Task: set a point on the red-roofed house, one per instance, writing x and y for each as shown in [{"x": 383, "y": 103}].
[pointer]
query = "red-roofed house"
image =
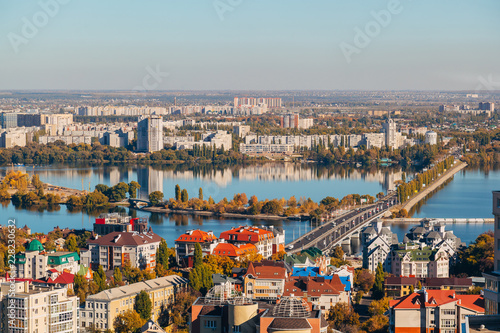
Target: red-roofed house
[
  {"x": 317, "y": 290},
  {"x": 439, "y": 310},
  {"x": 184, "y": 245},
  {"x": 265, "y": 280},
  {"x": 233, "y": 251},
  {"x": 263, "y": 239}
]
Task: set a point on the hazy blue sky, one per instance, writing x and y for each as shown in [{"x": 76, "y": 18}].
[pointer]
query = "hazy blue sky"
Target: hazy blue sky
[{"x": 260, "y": 44}]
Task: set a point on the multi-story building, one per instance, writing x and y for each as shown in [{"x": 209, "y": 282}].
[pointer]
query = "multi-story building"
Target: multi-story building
[
  {"x": 35, "y": 263},
  {"x": 417, "y": 260},
  {"x": 241, "y": 130},
  {"x": 150, "y": 133},
  {"x": 28, "y": 309},
  {"x": 116, "y": 248},
  {"x": 270, "y": 102},
  {"x": 263, "y": 239},
  {"x": 233, "y": 251},
  {"x": 8, "y": 119},
  {"x": 111, "y": 222},
  {"x": 431, "y": 138},
  {"x": 185, "y": 244},
  {"x": 492, "y": 288},
  {"x": 100, "y": 310},
  {"x": 242, "y": 315},
  {"x": 219, "y": 139},
  {"x": 377, "y": 242},
  {"x": 433, "y": 311},
  {"x": 265, "y": 280},
  {"x": 12, "y": 138},
  {"x": 390, "y": 131},
  {"x": 488, "y": 106}
]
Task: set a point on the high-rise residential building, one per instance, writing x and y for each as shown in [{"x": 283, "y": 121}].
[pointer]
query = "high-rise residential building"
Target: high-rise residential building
[
  {"x": 149, "y": 133},
  {"x": 8, "y": 119},
  {"x": 487, "y": 106},
  {"x": 241, "y": 130},
  {"x": 431, "y": 138},
  {"x": 492, "y": 288},
  {"x": 37, "y": 309},
  {"x": 271, "y": 102},
  {"x": 390, "y": 133}
]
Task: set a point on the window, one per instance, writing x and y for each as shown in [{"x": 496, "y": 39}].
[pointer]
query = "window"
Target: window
[
  {"x": 236, "y": 328},
  {"x": 447, "y": 322},
  {"x": 210, "y": 324},
  {"x": 448, "y": 312}
]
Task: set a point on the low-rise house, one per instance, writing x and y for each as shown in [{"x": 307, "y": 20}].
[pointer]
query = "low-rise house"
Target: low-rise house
[
  {"x": 433, "y": 311},
  {"x": 399, "y": 286},
  {"x": 263, "y": 239},
  {"x": 319, "y": 291},
  {"x": 234, "y": 251}
]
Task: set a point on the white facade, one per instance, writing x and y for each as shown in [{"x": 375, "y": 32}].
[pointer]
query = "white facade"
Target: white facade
[
  {"x": 150, "y": 133},
  {"x": 431, "y": 138}
]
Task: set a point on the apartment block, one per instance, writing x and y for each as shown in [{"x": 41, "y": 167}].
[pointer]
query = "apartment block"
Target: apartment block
[
  {"x": 100, "y": 310},
  {"x": 417, "y": 260},
  {"x": 492, "y": 289},
  {"x": 185, "y": 244},
  {"x": 26, "y": 308},
  {"x": 149, "y": 134},
  {"x": 114, "y": 249},
  {"x": 265, "y": 280}
]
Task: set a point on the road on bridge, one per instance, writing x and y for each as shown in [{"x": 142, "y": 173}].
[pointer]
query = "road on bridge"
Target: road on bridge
[{"x": 341, "y": 226}]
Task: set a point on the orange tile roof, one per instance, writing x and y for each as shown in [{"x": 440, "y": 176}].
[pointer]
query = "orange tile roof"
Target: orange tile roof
[
  {"x": 247, "y": 234},
  {"x": 226, "y": 249},
  {"x": 196, "y": 236},
  {"x": 437, "y": 298}
]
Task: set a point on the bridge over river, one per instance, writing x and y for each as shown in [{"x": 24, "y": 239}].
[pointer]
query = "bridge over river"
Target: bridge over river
[{"x": 330, "y": 234}]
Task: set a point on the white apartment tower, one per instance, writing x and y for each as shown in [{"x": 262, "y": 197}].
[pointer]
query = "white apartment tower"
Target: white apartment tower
[
  {"x": 149, "y": 133},
  {"x": 390, "y": 133}
]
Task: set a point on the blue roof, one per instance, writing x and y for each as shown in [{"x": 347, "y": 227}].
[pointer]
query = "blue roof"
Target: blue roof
[
  {"x": 308, "y": 271},
  {"x": 346, "y": 281}
]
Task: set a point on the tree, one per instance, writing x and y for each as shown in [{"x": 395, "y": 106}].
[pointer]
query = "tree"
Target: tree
[
  {"x": 95, "y": 199},
  {"x": 4, "y": 195},
  {"x": 143, "y": 305},
  {"x": 29, "y": 199},
  {"x": 37, "y": 183},
  {"x": 128, "y": 322},
  {"x": 163, "y": 254},
  {"x": 184, "y": 195},
  {"x": 180, "y": 309},
  {"x": 278, "y": 256},
  {"x": 272, "y": 207},
  {"x": 378, "y": 287},
  {"x": 376, "y": 324},
  {"x": 117, "y": 276},
  {"x": 200, "y": 194},
  {"x": 156, "y": 198},
  {"x": 133, "y": 186},
  {"x": 102, "y": 188},
  {"x": 198, "y": 255},
  {"x": 419, "y": 285},
  {"x": 478, "y": 257},
  {"x": 100, "y": 278},
  {"x": 177, "y": 192},
  {"x": 71, "y": 243},
  {"x": 412, "y": 289},
  {"x": 364, "y": 279},
  {"x": 379, "y": 307},
  {"x": 342, "y": 315},
  {"x": 200, "y": 278}
]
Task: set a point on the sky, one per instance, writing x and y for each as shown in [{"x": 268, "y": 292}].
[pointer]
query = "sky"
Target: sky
[{"x": 248, "y": 44}]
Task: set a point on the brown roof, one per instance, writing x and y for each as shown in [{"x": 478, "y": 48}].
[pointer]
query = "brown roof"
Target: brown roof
[
  {"x": 126, "y": 238},
  {"x": 267, "y": 270},
  {"x": 289, "y": 323},
  {"x": 430, "y": 282},
  {"x": 314, "y": 286},
  {"x": 210, "y": 310}
]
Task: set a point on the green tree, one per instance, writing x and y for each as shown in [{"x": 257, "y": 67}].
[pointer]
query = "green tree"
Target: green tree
[
  {"x": 100, "y": 278},
  {"x": 200, "y": 194},
  {"x": 128, "y": 322},
  {"x": 198, "y": 255},
  {"x": 272, "y": 207},
  {"x": 117, "y": 276},
  {"x": 378, "y": 286},
  {"x": 102, "y": 188},
  {"x": 478, "y": 257},
  {"x": 156, "y": 198},
  {"x": 37, "y": 183},
  {"x": 163, "y": 254},
  {"x": 143, "y": 305},
  {"x": 177, "y": 192},
  {"x": 133, "y": 186},
  {"x": 184, "y": 195},
  {"x": 71, "y": 243}
]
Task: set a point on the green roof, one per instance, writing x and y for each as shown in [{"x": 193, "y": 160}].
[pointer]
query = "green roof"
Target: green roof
[
  {"x": 20, "y": 258},
  {"x": 425, "y": 254},
  {"x": 60, "y": 258},
  {"x": 313, "y": 252},
  {"x": 35, "y": 245}
]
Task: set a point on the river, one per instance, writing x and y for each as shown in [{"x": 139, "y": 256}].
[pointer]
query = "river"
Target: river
[{"x": 265, "y": 181}]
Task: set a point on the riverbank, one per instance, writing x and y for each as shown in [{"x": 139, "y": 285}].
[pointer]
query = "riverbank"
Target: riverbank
[
  {"x": 444, "y": 177},
  {"x": 224, "y": 215}
]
